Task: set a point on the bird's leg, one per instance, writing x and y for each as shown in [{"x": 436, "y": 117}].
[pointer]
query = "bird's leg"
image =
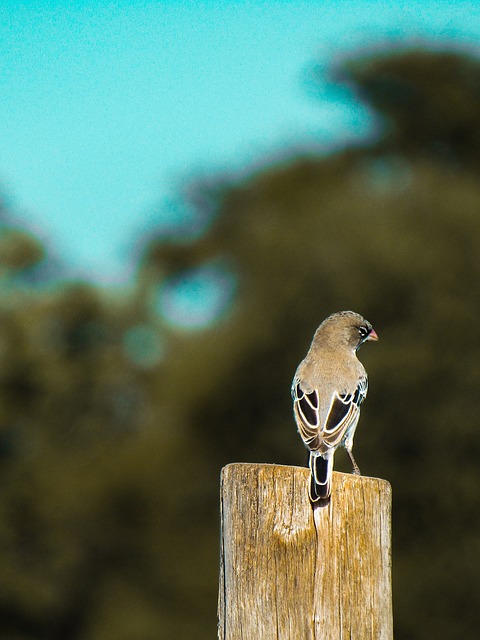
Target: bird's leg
[
  {"x": 348, "y": 448},
  {"x": 356, "y": 469}
]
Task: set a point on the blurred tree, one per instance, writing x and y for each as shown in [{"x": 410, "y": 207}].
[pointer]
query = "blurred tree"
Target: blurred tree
[
  {"x": 102, "y": 532},
  {"x": 19, "y": 250},
  {"x": 427, "y": 99},
  {"x": 114, "y": 424}
]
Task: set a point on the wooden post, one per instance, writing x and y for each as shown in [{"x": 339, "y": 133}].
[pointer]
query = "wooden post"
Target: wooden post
[{"x": 291, "y": 572}]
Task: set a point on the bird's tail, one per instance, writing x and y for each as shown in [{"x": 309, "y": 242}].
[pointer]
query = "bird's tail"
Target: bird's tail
[{"x": 321, "y": 467}]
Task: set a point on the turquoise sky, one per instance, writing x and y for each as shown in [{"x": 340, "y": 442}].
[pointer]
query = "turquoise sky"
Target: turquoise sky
[{"x": 107, "y": 107}]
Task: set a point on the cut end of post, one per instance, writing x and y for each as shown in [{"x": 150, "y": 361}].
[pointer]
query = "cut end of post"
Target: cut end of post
[{"x": 341, "y": 482}]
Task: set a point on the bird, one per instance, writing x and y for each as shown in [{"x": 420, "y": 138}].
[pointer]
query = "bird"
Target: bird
[{"x": 328, "y": 389}]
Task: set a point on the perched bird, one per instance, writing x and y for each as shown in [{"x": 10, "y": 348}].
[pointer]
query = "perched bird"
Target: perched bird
[{"x": 329, "y": 386}]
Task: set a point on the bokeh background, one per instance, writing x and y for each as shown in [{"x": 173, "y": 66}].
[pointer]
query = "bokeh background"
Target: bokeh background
[{"x": 188, "y": 190}]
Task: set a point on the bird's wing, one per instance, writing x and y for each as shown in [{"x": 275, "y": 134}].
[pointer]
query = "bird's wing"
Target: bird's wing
[
  {"x": 306, "y": 407},
  {"x": 343, "y": 413}
]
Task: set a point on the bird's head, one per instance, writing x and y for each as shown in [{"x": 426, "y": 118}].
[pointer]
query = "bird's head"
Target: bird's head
[{"x": 346, "y": 328}]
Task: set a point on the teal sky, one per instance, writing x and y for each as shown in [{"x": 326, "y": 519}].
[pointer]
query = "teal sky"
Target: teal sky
[{"x": 107, "y": 107}]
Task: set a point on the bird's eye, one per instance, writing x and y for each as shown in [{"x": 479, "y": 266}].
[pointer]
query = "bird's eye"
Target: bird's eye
[{"x": 363, "y": 331}]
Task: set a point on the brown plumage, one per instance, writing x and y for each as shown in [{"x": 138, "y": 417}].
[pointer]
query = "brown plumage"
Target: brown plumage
[{"x": 328, "y": 388}]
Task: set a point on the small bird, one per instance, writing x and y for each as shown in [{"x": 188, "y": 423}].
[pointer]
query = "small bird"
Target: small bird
[{"x": 328, "y": 388}]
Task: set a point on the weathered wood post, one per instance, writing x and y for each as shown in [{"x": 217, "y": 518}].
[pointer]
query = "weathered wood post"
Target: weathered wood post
[{"x": 291, "y": 572}]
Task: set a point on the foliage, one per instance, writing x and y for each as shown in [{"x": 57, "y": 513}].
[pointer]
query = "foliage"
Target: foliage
[
  {"x": 427, "y": 99},
  {"x": 113, "y": 426}
]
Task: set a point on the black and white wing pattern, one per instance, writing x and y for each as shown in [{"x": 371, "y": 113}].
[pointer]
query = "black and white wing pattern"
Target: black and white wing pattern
[
  {"x": 342, "y": 415},
  {"x": 306, "y": 408}
]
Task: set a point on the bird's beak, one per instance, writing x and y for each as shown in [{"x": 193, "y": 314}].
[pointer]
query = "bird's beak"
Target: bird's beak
[{"x": 372, "y": 335}]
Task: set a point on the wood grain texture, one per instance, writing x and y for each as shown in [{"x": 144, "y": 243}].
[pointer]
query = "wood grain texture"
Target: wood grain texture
[{"x": 291, "y": 572}]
